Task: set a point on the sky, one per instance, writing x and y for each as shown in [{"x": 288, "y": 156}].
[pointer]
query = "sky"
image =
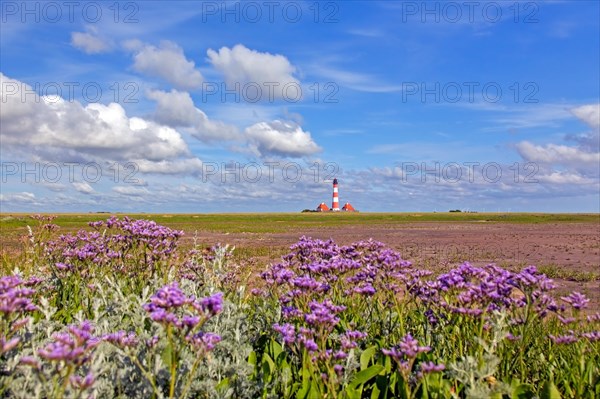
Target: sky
[{"x": 256, "y": 106}]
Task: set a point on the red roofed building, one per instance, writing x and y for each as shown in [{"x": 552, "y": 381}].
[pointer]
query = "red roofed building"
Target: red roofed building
[
  {"x": 348, "y": 208},
  {"x": 322, "y": 207}
]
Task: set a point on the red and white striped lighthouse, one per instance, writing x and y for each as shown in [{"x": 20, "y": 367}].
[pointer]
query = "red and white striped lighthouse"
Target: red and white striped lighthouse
[{"x": 335, "y": 206}]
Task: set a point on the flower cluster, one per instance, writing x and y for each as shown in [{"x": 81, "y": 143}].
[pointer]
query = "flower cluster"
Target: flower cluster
[
  {"x": 474, "y": 291},
  {"x": 137, "y": 243},
  {"x": 186, "y": 314},
  {"x": 405, "y": 354},
  {"x": 15, "y": 304},
  {"x": 73, "y": 347}
]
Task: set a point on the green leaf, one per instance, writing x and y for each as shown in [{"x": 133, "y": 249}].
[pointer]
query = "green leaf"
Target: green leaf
[
  {"x": 275, "y": 349},
  {"x": 268, "y": 365},
  {"x": 352, "y": 393},
  {"x": 375, "y": 393},
  {"x": 222, "y": 386},
  {"x": 366, "y": 356},
  {"x": 252, "y": 358},
  {"x": 365, "y": 375},
  {"x": 521, "y": 391},
  {"x": 549, "y": 391},
  {"x": 303, "y": 391},
  {"x": 166, "y": 356}
]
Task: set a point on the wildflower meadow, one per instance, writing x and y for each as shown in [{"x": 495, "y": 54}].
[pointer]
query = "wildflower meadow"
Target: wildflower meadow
[{"x": 120, "y": 310}]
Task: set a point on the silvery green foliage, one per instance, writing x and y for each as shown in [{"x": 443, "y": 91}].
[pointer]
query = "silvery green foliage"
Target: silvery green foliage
[
  {"x": 27, "y": 381},
  {"x": 224, "y": 373},
  {"x": 477, "y": 372}
]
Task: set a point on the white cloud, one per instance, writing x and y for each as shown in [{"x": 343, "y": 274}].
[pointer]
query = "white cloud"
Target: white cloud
[
  {"x": 131, "y": 191},
  {"x": 280, "y": 138},
  {"x": 554, "y": 153},
  {"x": 565, "y": 178},
  {"x": 355, "y": 80},
  {"x": 23, "y": 197},
  {"x": 167, "y": 61},
  {"x": 63, "y": 131},
  {"x": 83, "y": 187},
  {"x": 241, "y": 66},
  {"x": 590, "y": 114},
  {"x": 178, "y": 166},
  {"x": 89, "y": 42},
  {"x": 177, "y": 109}
]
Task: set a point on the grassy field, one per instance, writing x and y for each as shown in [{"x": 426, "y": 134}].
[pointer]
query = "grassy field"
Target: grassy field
[{"x": 280, "y": 222}]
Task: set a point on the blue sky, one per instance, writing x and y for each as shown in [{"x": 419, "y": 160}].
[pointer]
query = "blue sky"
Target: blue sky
[{"x": 202, "y": 106}]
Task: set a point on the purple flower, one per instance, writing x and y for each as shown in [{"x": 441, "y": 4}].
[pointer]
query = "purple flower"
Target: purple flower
[
  {"x": 121, "y": 339},
  {"x": 430, "y": 367},
  {"x": 72, "y": 347},
  {"x": 564, "y": 339},
  {"x": 204, "y": 342},
  {"x": 30, "y": 361},
  {"x": 169, "y": 296},
  {"x": 323, "y": 313},
  {"x": 309, "y": 344},
  {"x": 350, "y": 338},
  {"x": 6, "y": 346},
  {"x": 407, "y": 348},
  {"x": 152, "y": 342},
  {"x": 82, "y": 383},
  {"x": 592, "y": 336},
  {"x": 14, "y": 298},
  {"x": 287, "y": 331},
  {"x": 213, "y": 304},
  {"x": 577, "y": 300}
]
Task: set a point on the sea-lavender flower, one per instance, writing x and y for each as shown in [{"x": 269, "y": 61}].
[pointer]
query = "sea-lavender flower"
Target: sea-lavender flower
[
  {"x": 6, "y": 346},
  {"x": 204, "y": 341},
  {"x": 592, "y": 336},
  {"x": 212, "y": 304},
  {"x": 430, "y": 367},
  {"x": 408, "y": 348},
  {"x": 287, "y": 331},
  {"x": 577, "y": 300},
  {"x": 72, "y": 347},
  {"x": 121, "y": 339},
  {"x": 564, "y": 339},
  {"x": 323, "y": 313},
  {"x": 80, "y": 383},
  {"x": 339, "y": 369}
]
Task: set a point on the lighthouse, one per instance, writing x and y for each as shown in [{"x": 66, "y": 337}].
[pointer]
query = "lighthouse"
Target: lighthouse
[{"x": 335, "y": 206}]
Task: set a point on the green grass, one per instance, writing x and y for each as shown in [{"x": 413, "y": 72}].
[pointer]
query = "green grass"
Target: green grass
[{"x": 285, "y": 222}]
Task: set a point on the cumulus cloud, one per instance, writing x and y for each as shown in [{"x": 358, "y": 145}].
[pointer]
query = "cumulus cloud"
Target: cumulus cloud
[
  {"x": 590, "y": 114},
  {"x": 131, "y": 191},
  {"x": 167, "y": 61},
  {"x": 272, "y": 72},
  {"x": 280, "y": 138},
  {"x": 83, "y": 187},
  {"x": 554, "y": 153},
  {"x": 177, "y": 109},
  {"x": 584, "y": 155},
  {"x": 23, "y": 197},
  {"x": 167, "y": 167},
  {"x": 59, "y": 130},
  {"x": 89, "y": 42}
]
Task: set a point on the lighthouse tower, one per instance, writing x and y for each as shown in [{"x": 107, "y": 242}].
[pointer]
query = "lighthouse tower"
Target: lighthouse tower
[{"x": 335, "y": 206}]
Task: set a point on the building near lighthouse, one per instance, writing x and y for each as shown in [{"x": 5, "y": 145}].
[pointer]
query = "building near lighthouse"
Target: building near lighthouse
[
  {"x": 322, "y": 207},
  {"x": 348, "y": 208}
]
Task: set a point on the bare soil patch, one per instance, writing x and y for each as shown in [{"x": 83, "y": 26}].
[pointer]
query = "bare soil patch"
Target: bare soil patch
[{"x": 567, "y": 252}]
